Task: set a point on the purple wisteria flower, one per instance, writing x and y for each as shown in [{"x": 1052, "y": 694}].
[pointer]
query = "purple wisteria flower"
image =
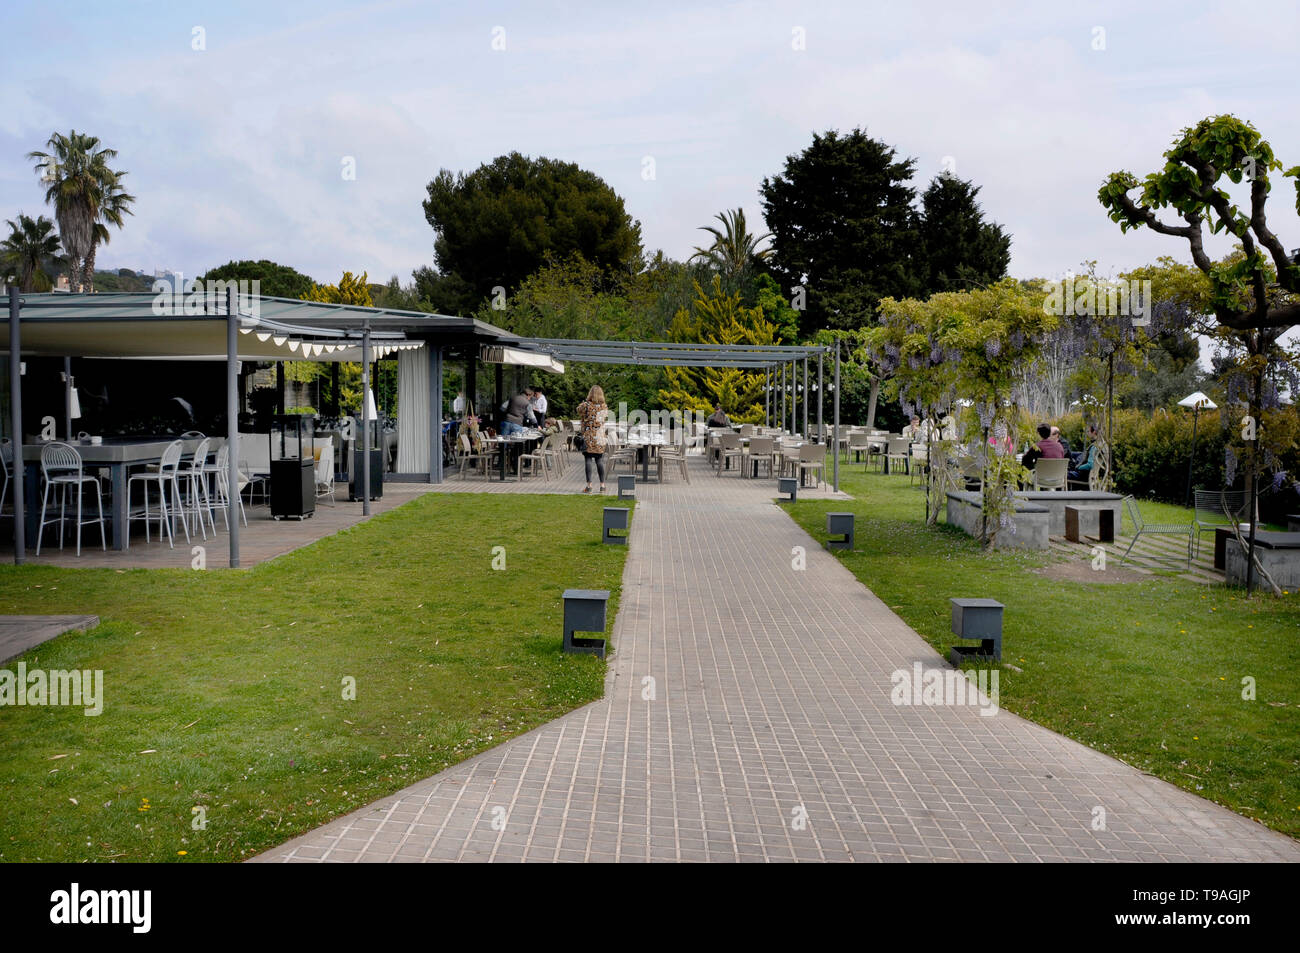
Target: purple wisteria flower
[
  {"x": 1229, "y": 465},
  {"x": 992, "y": 347}
]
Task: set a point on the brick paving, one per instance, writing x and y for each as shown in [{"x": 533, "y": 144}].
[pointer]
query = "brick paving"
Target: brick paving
[{"x": 770, "y": 735}]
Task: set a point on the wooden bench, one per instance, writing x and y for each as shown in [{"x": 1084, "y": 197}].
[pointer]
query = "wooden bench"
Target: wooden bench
[{"x": 1102, "y": 518}]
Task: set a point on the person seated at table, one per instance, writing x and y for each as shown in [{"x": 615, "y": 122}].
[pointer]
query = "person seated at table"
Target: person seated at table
[
  {"x": 1065, "y": 446},
  {"x": 913, "y": 430},
  {"x": 1083, "y": 469},
  {"x": 1045, "y": 449},
  {"x": 718, "y": 418},
  {"x": 518, "y": 414}
]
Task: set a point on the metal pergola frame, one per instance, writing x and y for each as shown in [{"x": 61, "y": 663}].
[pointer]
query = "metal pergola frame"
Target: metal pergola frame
[{"x": 770, "y": 358}]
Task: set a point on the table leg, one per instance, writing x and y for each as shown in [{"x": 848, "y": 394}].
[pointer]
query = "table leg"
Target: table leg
[
  {"x": 121, "y": 506},
  {"x": 645, "y": 464}
]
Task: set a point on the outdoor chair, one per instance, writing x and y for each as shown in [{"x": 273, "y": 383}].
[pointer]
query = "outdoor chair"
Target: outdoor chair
[
  {"x": 1141, "y": 528},
  {"x": 761, "y": 450},
  {"x": 859, "y": 445},
  {"x": 1218, "y": 508},
  {"x": 7, "y": 458},
  {"x": 674, "y": 455},
  {"x": 537, "y": 460},
  {"x": 1051, "y": 474},
  {"x": 729, "y": 448},
  {"x": 166, "y": 480},
  {"x": 324, "y": 471},
  {"x": 898, "y": 452},
  {"x": 920, "y": 460},
  {"x": 480, "y": 461},
  {"x": 812, "y": 458},
  {"x": 1096, "y": 476},
  {"x": 61, "y": 467},
  {"x": 219, "y": 473},
  {"x": 193, "y": 489}
]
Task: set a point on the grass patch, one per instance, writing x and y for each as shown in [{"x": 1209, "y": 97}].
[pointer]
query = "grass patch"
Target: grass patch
[
  {"x": 1148, "y": 672},
  {"x": 234, "y": 679}
]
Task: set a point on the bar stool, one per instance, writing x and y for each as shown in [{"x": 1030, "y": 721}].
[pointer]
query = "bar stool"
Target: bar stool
[
  {"x": 165, "y": 479},
  {"x": 195, "y": 499},
  {"x": 61, "y": 467}
]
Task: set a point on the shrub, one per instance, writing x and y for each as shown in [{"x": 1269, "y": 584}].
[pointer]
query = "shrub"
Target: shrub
[{"x": 1151, "y": 453}]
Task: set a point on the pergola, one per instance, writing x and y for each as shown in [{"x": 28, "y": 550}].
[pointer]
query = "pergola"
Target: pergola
[
  {"x": 780, "y": 364},
  {"x": 234, "y": 327}
]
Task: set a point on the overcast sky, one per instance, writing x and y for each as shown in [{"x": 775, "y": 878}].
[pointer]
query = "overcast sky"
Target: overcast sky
[{"x": 237, "y": 149}]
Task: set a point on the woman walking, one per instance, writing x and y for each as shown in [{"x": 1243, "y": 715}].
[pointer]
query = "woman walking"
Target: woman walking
[{"x": 593, "y": 413}]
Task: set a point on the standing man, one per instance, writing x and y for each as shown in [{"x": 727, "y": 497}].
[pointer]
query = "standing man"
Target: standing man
[
  {"x": 539, "y": 405},
  {"x": 517, "y": 413}
]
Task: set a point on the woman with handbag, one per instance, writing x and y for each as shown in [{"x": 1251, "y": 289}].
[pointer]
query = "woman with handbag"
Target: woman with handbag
[{"x": 592, "y": 414}]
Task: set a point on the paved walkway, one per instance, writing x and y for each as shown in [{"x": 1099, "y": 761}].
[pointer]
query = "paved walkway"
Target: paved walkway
[
  {"x": 18, "y": 633},
  {"x": 770, "y": 735}
]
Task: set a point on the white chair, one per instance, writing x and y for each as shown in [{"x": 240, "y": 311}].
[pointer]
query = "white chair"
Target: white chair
[
  {"x": 220, "y": 474},
  {"x": 192, "y": 486},
  {"x": 1050, "y": 474},
  {"x": 7, "y": 457},
  {"x": 61, "y": 467},
  {"x": 166, "y": 481},
  {"x": 325, "y": 472}
]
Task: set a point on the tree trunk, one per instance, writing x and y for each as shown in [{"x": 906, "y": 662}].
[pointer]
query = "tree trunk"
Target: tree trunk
[
  {"x": 871, "y": 404},
  {"x": 89, "y": 270}
]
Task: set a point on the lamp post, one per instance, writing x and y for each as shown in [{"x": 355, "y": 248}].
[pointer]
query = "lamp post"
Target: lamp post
[{"x": 1195, "y": 401}]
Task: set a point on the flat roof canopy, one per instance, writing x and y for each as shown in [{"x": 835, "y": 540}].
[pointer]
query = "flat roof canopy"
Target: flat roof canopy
[{"x": 193, "y": 327}]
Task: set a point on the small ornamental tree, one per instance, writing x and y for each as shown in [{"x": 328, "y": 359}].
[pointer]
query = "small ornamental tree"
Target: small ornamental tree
[
  {"x": 922, "y": 377},
  {"x": 1254, "y": 294},
  {"x": 718, "y": 318}
]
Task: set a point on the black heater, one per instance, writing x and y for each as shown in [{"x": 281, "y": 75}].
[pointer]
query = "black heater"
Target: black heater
[{"x": 293, "y": 469}]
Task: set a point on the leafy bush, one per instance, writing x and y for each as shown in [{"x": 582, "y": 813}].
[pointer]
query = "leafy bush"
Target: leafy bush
[{"x": 1151, "y": 455}]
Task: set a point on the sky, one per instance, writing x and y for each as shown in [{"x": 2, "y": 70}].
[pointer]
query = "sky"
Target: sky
[{"x": 238, "y": 122}]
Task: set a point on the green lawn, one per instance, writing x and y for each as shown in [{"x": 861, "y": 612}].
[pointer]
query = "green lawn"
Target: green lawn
[
  {"x": 1149, "y": 672},
  {"x": 233, "y": 681}
]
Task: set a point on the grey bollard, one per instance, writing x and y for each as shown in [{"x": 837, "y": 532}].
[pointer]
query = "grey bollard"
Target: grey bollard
[
  {"x": 626, "y": 486},
  {"x": 584, "y": 611},
  {"x": 839, "y": 524},
  {"x": 615, "y": 517},
  {"x": 977, "y": 619},
  {"x": 788, "y": 485}
]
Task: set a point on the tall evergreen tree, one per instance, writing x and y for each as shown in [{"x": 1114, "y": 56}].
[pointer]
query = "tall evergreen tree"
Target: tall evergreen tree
[
  {"x": 843, "y": 223},
  {"x": 961, "y": 249}
]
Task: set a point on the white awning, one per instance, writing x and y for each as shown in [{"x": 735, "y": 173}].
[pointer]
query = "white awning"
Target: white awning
[{"x": 496, "y": 354}]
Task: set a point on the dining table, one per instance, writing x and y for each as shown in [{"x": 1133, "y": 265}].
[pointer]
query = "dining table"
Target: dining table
[
  {"x": 117, "y": 455},
  {"x": 510, "y": 448},
  {"x": 644, "y": 448}
]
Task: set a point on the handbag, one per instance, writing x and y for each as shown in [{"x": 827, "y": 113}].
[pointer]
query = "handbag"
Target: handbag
[{"x": 579, "y": 444}]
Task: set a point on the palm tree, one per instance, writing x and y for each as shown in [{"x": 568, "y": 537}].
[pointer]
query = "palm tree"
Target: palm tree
[
  {"x": 115, "y": 203},
  {"x": 734, "y": 248},
  {"x": 79, "y": 179},
  {"x": 31, "y": 243}
]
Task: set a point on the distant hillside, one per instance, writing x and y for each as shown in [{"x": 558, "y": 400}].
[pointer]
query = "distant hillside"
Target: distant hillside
[{"x": 124, "y": 279}]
